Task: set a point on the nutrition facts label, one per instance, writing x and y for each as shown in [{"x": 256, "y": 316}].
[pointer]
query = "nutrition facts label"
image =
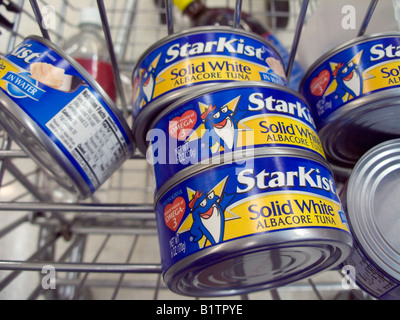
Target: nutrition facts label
[
  {"x": 368, "y": 277},
  {"x": 88, "y": 132}
]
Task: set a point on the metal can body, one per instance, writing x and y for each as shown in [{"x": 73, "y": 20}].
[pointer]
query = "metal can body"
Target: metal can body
[
  {"x": 371, "y": 201},
  {"x": 353, "y": 92},
  {"x": 200, "y": 57},
  {"x": 220, "y": 121},
  {"x": 61, "y": 117},
  {"x": 249, "y": 225}
]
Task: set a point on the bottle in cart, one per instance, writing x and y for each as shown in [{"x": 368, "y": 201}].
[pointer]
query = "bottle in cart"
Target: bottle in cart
[
  {"x": 88, "y": 47},
  {"x": 200, "y": 15}
]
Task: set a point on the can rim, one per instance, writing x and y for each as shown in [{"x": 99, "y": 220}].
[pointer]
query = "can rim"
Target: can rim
[
  {"x": 369, "y": 171},
  {"x": 346, "y": 45},
  {"x": 353, "y": 110},
  {"x": 335, "y": 248}
]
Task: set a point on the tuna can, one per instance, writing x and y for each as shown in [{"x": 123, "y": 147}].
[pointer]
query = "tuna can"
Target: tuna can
[
  {"x": 234, "y": 116},
  {"x": 353, "y": 91},
  {"x": 372, "y": 201},
  {"x": 253, "y": 224},
  {"x": 61, "y": 117},
  {"x": 197, "y": 57}
]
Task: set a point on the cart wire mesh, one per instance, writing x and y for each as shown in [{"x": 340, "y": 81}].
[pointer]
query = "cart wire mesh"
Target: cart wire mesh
[{"x": 53, "y": 246}]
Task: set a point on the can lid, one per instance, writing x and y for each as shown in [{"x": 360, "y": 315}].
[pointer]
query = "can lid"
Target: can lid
[
  {"x": 267, "y": 261},
  {"x": 373, "y": 205},
  {"x": 353, "y": 129}
]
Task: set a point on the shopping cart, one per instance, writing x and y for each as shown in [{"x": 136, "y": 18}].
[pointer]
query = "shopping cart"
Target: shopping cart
[{"x": 53, "y": 246}]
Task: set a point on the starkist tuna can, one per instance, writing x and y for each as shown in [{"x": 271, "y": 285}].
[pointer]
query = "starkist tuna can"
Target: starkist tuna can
[
  {"x": 235, "y": 116},
  {"x": 61, "y": 117},
  {"x": 354, "y": 92},
  {"x": 197, "y": 57},
  {"x": 249, "y": 225},
  {"x": 371, "y": 199}
]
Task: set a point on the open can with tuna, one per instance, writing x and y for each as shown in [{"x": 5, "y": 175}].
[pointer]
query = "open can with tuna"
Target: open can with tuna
[
  {"x": 354, "y": 92},
  {"x": 371, "y": 199},
  {"x": 61, "y": 117},
  {"x": 258, "y": 223},
  {"x": 215, "y": 122},
  {"x": 199, "y": 57}
]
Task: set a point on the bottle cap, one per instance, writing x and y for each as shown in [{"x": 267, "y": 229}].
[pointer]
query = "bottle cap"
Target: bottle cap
[
  {"x": 90, "y": 15},
  {"x": 182, "y": 4}
]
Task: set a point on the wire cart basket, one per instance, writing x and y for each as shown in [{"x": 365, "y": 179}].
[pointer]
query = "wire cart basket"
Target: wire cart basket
[{"x": 55, "y": 247}]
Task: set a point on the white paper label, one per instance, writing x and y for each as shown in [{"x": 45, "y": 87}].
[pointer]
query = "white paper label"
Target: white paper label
[{"x": 88, "y": 132}]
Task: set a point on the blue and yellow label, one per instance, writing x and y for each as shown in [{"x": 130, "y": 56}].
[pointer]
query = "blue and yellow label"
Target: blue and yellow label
[
  {"x": 204, "y": 57},
  {"x": 247, "y": 198},
  {"x": 224, "y": 121},
  {"x": 356, "y": 71},
  {"x": 68, "y": 109}
]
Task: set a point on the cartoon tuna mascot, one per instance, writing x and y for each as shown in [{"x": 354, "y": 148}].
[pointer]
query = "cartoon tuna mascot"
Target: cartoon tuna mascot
[
  {"x": 208, "y": 216},
  {"x": 348, "y": 79},
  {"x": 222, "y": 123},
  {"x": 145, "y": 82}
]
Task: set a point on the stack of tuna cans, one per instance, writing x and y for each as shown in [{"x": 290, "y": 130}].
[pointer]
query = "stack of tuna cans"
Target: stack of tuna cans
[
  {"x": 354, "y": 94},
  {"x": 245, "y": 199}
]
